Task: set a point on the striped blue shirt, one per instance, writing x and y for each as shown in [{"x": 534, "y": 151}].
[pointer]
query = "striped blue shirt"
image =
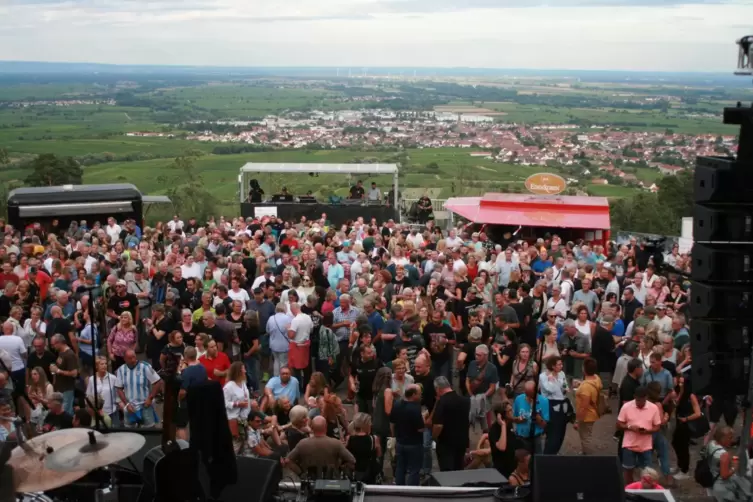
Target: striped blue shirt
[
  {"x": 339, "y": 316},
  {"x": 136, "y": 382}
]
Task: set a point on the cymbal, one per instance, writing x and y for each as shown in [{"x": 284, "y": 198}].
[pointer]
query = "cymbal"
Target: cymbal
[
  {"x": 87, "y": 455},
  {"x": 30, "y": 473}
]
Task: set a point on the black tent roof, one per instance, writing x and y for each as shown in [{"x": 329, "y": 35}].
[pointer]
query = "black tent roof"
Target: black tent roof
[{"x": 67, "y": 194}]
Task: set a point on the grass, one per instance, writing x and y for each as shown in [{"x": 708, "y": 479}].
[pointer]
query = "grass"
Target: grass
[{"x": 611, "y": 190}]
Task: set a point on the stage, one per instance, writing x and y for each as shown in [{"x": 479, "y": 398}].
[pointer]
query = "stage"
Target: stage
[{"x": 337, "y": 214}]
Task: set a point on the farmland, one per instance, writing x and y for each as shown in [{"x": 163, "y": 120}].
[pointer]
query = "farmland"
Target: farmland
[{"x": 92, "y": 120}]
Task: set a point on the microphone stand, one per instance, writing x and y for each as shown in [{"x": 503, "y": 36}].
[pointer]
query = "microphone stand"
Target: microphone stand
[{"x": 98, "y": 421}]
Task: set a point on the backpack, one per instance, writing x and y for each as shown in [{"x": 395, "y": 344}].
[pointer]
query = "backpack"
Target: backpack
[
  {"x": 702, "y": 473},
  {"x": 602, "y": 407}
]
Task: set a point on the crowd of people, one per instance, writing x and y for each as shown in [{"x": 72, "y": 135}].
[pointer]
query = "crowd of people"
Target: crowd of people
[{"x": 372, "y": 347}]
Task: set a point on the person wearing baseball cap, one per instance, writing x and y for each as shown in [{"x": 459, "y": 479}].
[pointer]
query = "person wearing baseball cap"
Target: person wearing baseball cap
[{"x": 122, "y": 301}]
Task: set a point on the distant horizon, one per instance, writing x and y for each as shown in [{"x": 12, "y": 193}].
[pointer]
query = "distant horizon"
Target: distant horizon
[{"x": 358, "y": 69}]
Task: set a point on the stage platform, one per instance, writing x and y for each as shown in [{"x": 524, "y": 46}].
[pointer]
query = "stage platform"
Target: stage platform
[{"x": 337, "y": 214}]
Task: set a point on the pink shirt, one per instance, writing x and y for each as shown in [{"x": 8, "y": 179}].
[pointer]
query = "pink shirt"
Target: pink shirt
[
  {"x": 121, "y": 340},
  {"x": 647, "y": 417}
]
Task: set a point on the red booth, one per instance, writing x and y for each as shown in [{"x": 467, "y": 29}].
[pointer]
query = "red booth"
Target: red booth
[{"x": 570, "y": 217}]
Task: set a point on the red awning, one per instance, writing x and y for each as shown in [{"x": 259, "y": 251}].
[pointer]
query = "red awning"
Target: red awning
[{"x": 533, "y": 210}]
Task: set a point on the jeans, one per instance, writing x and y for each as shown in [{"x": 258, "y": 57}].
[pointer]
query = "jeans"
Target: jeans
[
  {"x": 632, "y": 459},
  {"x": 115, "y": 417},
  {"x": 555, "y": 429},
  {"x": 427, "y": 462},
  {"x": 68, "y": 397},
  {"x": 442, "y": 368},
  {"x": 661, "y": 445},
  {"x": 253, "y": 373},
  {"x": 280, "y": 360},
  {"x": 409, "y": 460}
]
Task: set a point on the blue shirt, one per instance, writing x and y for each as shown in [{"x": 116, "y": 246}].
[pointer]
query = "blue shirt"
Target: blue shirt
[
  {"x": 540, "y": 266},
  {"x": 522, "y": 408},
  {"x": 376, "y": 321},
  {"x": 194, "y": 374},
  {"x": 86, "y": 334},
  {"x": 618, "y": 329},
  {"x": 277, "y": 329},
  {"x": 664, "y": 377},
  {"x": 334, "y": 274},
  {"x": 292, "y": 391}
]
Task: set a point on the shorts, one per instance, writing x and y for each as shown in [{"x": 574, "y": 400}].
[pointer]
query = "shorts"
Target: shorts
[
  {"x": 632, "y": 459},
  {"x": 181, "y": 415}
]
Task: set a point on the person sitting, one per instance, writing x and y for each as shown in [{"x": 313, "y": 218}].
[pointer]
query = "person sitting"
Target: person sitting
[
  {"x": 521, "y": 474},
  {"x": 649, "y": 481},
  {"x": 283, "y": 385},
  {"x": 256, "y": 445},
  {"x": 320, "y": 452},
  {"x": 299, "y": 429}
]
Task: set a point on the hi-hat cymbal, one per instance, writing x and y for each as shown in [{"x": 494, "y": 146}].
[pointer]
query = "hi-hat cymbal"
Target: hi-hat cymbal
[
  {"x": 30, "y": 474},
  {"x": 87, "y": 454}
]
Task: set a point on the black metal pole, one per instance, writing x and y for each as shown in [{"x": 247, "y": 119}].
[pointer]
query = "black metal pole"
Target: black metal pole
[
  {"x": 534, "y": 413},
  {"x": 98, "y": 422}
]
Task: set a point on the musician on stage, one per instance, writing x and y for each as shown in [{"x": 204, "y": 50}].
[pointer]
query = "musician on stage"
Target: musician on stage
[{"x": 357, "y": 191}]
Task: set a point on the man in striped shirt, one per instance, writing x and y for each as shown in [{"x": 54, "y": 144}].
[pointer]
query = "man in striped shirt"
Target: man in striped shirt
[{"x": 137, "y": 385}]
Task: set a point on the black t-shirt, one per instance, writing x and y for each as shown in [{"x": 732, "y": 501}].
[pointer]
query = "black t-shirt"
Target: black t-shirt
[
  {"x": 180, "y": 285},
  {"x": 364, "y": 373},
  {"x": 294, "y": 436},
  {"x": 189, "y": 337},
  {"x": 409, "y": 423},
  {"x": 362, "y": 448},
  {"x": 356, "y": 192},
  {"x": 125, "y": 303},
  {"x": 44, "y": 361},
  {"x": 172, "y": 349},
  {"x": 428, "y": 392},
  {"x": 437, "y": 338},
  {"x": 452, "y": 413},
  {"x": 412, "y": 346},
  {"x": 215, "y": 333},
  {"x": 154, "y": 346},
  {"x": 462, "y": 307},
  {"x": 469, "y": 349},
  {"x": 505, "y": 372},
  {"x": 503, "y": 460},
  {"x": 602, "y": 349},
  {"x": 54, "y": 422},
  {"x": 59, "y": 326},
  {"x": 522, "y": 310}
]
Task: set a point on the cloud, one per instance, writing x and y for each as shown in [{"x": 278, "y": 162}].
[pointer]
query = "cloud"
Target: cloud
[{"x": 580, "y": 34}]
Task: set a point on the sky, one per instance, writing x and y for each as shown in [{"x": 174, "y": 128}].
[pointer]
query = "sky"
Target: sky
[{"x": 652, "y": 35}]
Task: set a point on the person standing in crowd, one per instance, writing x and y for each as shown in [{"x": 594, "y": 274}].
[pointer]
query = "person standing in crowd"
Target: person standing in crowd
[
  {"x": 450, "y": 415},
  {"x": 439, "y": 338},
  {"x": 65, "y": 371},
  {"x": 107, "y": 388},
  {"x": 408, "y": 426},
  {"x": 639, "y": 419},
  {"x": 481, "y": 384},
  {"x": 526, "y": 417},
  {"x": 138, "y": 384},
  {"x": 553, "y": 386},
  {"x": 587, "y": 404}
]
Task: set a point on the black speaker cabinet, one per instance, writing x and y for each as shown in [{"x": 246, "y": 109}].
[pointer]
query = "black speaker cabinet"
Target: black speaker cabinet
[
  {"x": 472, "y": 477},
  {"x": 559, "y": 478}
]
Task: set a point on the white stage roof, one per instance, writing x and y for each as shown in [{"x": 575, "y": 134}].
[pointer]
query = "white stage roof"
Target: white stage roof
[{"x": 252, "y": 167}]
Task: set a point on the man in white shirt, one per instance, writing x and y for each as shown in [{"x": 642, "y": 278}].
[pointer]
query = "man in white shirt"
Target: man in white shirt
[
  {"x": 175, "y": 224},
  {"x": 191, "y": 269},
  {"x": 357, "y": 267},
  {"x": 374, "y": 193},
  {"x": 505, "y": 264},
  {"x": 638, "y": 290},
  {"x": 559, "y": 265},
  {"x": 613, "y": 286},
  {"x": 415, "y": 238},
  {"x": 301, "y": 325},
  {"x": 663, "y": 320},
  {"x": 452, "y": 240},
  {"x": 113, "y": 230}
]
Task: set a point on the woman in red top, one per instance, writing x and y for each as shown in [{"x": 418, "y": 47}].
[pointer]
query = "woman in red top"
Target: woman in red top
[
  {"x": 215, "y": 362},
  {"x": 123, "y": 338},
  {"x": 649, "y": 481}
]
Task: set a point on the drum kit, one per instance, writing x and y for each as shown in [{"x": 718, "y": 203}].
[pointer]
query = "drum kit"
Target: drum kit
[{"x": 59, "y": 458}]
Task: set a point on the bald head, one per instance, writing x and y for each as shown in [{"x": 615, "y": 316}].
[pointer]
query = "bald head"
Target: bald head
[{"x": 319, "y": 426}]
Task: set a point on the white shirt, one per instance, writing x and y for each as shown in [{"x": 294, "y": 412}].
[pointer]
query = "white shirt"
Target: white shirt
[
  {"x": 302, "y": 325},
  {"x": 90, "y": 260},
  {"x": 566, "y": 290},
  {"x": 665, "y": 324},
  {"x": 416, "y": 240},
  {"x": 113, "y": 232},
  {"x": 457, "y": 265},
  {"x": 16, "y": 349},
  {"x": 241, "y": 295},
  {"x": 107, "y": 390},
  {"x": 261, "y": 280},
  {"x": 560, "y": 306},
  {"x": 234, "y": 393},
  {"x": 355, "y": 270},
  {"x": 191, "y": 271},
  {"x": 453, "y": 242},
  {"x": 28, "y": 334},
  {"x": 174, "y": 225}
]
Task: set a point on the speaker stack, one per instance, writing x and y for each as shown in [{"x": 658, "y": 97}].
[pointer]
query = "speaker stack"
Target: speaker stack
[{"x": 722, "y": 280}]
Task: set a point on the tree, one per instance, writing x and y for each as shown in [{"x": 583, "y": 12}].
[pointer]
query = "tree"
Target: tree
[
  {"x": 4, "y": 157},
  {"x": 188, "y": 190},
  {"x": 49, "y": 170},
  {"x": 676, "y": 193}
]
